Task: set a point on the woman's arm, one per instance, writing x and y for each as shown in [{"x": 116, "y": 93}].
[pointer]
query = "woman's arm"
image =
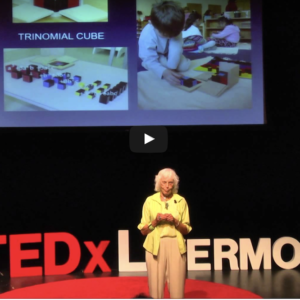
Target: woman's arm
[
  {"x": 146, "y": 230},
  {"x": 181, "y": 227},
  {"x": 150, "y": 227}
]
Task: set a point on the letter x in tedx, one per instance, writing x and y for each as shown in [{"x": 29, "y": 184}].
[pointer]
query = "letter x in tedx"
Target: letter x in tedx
[{"x": 97, "y": 258}]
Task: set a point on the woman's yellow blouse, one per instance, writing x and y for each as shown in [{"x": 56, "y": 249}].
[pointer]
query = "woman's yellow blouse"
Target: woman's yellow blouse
[{"x": 176, "y": 206}]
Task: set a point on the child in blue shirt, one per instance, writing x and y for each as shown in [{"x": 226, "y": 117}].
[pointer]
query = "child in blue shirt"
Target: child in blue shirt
[{"x": 161, "y": 44}]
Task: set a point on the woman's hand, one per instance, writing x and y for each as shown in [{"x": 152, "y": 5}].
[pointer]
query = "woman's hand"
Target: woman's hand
[
  {"x": 170, "y": 218},
  {"x": 160, "y": 217}
]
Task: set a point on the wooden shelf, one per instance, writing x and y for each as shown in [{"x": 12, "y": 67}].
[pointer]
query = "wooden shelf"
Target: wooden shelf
[{"x": 245, "y": 29}]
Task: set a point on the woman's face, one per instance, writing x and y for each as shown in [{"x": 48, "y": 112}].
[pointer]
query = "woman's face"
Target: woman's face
[{"x": 166, "y": 186}]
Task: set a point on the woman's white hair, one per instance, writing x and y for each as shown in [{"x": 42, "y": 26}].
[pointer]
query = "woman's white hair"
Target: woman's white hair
[{"x": 169, "y": 174}]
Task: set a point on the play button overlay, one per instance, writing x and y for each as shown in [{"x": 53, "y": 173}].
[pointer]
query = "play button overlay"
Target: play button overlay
[{"x": 148, "y": 139}]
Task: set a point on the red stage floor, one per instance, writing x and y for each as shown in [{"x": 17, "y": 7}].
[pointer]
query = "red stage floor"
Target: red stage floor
[{"x": 122, "y": 287}]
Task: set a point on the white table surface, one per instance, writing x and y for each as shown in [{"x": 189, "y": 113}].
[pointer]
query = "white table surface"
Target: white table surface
[
  {"x": 158, "y": 94},
  {"x": 65, "y": 100}
]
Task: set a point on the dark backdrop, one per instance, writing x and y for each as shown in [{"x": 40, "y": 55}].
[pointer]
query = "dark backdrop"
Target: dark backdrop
[{"x": 239, "y": 181}]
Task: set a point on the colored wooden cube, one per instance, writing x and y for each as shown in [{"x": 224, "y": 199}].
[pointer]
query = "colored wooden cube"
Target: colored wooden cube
[
  {"x": 91, "y": 95},
  {"x": 104, "y": 98},
  {"x": 46, "y": 76},
  {"x": 33, "y": 67},
  {"x": 25, "y": 71},
  {"x": 100, "y": 90},
  {"x": 215, "y": 78},
  {"x": 70, "y": 82},
  {"x": 243, "y": 66},
  {"x": 117, "y": 90},
  {"x": 107, "y": 96},
  {"x": 61, "y": 86},
  {"x": 182, "y": 80},
  {"x": 97, "y": 83},
  {"x": 106, "y": 85},
  {"x": 66, "y": 75},
  {"x": 188, "y": 82},
  {"x": 44, "y": 70},
  {"x": 48, "y": 83},
  {"x": 120, "y": 87},
  {"x": 77, "y": 78},
  {"x": 223, "y": 77},
  {"x": 27, "y": 77},
  {"x": 124, "y": 84},
  {"x": 80, "y": 92},
  {"x": 223, "y": 80},
  {"x": 57, "y": 79},
  {"x": 89, "y": 87},
  {"x": 112, "y": 95},
  {"x": 35, "y": 74},
  {"x": 16, "y": 74},
  {"x": 10, "y": 68}
]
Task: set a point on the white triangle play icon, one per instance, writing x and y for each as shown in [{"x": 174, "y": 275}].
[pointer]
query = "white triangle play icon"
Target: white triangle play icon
[{"x": 148, "y": 138}]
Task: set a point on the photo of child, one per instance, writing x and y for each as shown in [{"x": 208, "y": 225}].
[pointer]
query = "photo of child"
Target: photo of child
[
  {"x": 160, "y": 43},
  {"x": 229, "y": 36},
  {"x": 177, "y": 53},
  {"x": 191, "y": 33}
]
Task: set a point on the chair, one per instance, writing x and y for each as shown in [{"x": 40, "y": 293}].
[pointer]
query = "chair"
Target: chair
[{"x": 120, "y": 52}]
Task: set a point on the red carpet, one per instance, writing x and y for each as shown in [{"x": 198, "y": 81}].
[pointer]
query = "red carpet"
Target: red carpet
[{"x": 122, "y": 287}]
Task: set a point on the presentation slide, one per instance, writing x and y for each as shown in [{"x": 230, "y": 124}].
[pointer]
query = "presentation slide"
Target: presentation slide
[{"x": 70, "y": 63}]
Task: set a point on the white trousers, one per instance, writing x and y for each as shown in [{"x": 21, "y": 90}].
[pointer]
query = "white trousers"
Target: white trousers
[{"x": 168, "y": 266}]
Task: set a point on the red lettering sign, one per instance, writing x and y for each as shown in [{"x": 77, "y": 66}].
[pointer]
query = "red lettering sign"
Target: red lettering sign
[
  {"x": 3, "y": 239},
  {"x": 97, "y": 258},
  {"x": 17, "y": 255},
  {"x": 74, "y": 257}
]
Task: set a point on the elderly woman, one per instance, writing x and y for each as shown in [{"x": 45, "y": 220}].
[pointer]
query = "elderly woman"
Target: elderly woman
[{"x": 165, "y": 219}]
